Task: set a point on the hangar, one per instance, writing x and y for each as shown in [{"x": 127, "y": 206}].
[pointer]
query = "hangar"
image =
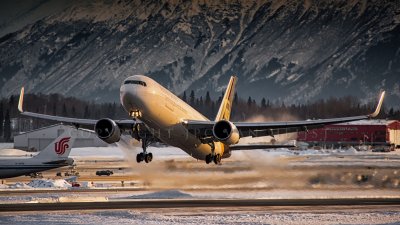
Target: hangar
[
  {"x": 38, "y": 139},
  {"x": 368, "y": 132}
]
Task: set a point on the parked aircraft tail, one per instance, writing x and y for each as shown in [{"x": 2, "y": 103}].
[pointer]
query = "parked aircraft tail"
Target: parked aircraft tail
[
  {"x": 224, "y": 112},
  {"x": 60, "y": 147}
]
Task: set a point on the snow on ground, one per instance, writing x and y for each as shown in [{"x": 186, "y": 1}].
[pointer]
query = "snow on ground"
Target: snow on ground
[
  {"x": 208, "y": 216},
  {"x": 179, "y": 194},
  {"x": 257, "y": 194},
  {"x": 120, "y": 153},
  {"x": 19, "y": 185},
  {"x": 172, "y": 152},
  {"x": 196, "y": 194},
  {"x": 97, "y": 152},
  {"x": 169, "y": 194},
  {"x": 40, "y": 183},
  {"x": 48, "y": 183},
  {"x": 284, "y": 152},
  {"x": 16, "y": 153},
  {"x": 6, "y": 145},
  {"x": 51, "y": 197}
]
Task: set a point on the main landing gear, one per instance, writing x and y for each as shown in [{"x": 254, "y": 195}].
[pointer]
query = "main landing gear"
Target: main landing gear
[
  {"x": 144, "y": 156},
  {"x": 216, "y": 158}
]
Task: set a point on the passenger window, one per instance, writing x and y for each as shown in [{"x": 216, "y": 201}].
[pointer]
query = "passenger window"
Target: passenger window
[{"x": 135, "y": 82}]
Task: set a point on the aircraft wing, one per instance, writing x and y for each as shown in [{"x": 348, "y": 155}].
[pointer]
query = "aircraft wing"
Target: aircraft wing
[
  {"x": 204, "y": 128},
  {"x": 127, "y": 124},
  {"x": 60, "y": 118}
]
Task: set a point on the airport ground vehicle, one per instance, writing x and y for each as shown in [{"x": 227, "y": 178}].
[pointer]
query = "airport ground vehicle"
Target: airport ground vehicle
[{"x": 104, "y": 172}]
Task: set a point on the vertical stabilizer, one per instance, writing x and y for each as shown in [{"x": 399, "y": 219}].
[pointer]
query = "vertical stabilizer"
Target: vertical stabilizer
[
  {"x": 21, "y": 100},
  {"x": 60, "y": 147},
  {"x": 224, "y": 112}
]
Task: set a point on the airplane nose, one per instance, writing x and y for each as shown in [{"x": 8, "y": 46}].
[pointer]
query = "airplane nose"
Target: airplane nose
[{"x": 128, "y": 98}]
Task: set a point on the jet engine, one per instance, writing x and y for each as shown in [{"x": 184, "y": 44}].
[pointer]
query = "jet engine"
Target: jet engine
[
  {"x": 107, "y": 130},
  {"x": 226, "y": 132}
]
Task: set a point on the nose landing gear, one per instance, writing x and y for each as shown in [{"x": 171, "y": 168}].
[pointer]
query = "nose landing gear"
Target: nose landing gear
[{"x": 147, "y": 157}]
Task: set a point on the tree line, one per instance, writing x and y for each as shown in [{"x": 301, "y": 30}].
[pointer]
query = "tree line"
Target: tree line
[
  {"x": 243, "y": 109},
  {"x": 271, "y": 110}
]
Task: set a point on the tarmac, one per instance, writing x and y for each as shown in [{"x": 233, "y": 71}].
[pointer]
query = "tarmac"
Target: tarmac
[{"x": 198, "y": 203}]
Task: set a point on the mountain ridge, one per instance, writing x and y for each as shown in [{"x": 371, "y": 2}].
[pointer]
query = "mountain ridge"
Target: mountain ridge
[{"x": 290, "y": 51}]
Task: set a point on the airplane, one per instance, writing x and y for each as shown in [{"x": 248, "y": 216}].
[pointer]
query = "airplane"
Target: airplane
[
  {"x": 159, "y": 115},
  {"x": 55, "y": 155}
]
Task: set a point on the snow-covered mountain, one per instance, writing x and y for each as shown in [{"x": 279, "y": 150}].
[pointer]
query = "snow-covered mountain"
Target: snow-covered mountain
[{"x": 288, "y": 50}]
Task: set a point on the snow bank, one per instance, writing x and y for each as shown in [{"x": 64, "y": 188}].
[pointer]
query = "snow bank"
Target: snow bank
[
  {"x": 170, "y": 194},
  {"x": 59, "y": 183},
  {"x": 19, "y": 186}
]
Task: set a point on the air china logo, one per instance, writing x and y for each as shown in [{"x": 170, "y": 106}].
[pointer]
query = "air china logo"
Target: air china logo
[{"x": 61, "y": 146}]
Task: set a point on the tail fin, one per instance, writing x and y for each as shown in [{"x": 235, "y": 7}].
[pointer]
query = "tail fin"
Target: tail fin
[
  {"x": 60, "y": 147},
  {"x": 21, "y": 100},
  {"x": 224, "y": 112}
]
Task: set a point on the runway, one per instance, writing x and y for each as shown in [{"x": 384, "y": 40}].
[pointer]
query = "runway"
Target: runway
[
  {"x": 197, "y": 203},
  {"x": 310, "y": 190}
]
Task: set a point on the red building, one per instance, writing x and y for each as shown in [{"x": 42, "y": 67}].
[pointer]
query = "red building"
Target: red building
[{"x": 369, "y": 132}]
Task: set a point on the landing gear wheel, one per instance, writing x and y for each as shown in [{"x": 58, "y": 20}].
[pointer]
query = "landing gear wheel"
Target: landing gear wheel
[
  {"x": 208, "y": 159},
  {"x": 148, "y": 158},
  {"x": 217, "y": 159},
  {"x": 139, "y": 157},
  {"x": 144, "y": 156}
]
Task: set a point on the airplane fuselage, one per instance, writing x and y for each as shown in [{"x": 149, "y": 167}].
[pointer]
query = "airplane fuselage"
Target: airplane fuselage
[
  {"x": 18, "y": 166},
  {"x": 163, "y": 113}
]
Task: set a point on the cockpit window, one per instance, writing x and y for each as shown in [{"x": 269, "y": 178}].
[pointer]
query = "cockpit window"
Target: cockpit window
[{"x": 135, "y": 82}]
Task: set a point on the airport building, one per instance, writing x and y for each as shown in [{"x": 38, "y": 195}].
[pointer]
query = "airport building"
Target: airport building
[
  {"x": 38, "y": 139},
  {"x": 364, "y": 132}
]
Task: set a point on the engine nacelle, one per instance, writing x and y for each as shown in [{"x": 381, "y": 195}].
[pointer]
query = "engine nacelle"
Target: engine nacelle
[
  {"x": 226, "y": 132},
  {"x": 107, "y": 130}
]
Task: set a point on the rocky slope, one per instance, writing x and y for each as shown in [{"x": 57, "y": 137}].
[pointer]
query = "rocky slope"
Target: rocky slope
[{"x": 284, "y": 50}]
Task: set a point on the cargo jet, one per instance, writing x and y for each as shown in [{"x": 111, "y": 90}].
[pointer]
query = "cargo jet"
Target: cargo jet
[
  {"x": 55, "y": 155},
  {"x": 159, "y": 115}
]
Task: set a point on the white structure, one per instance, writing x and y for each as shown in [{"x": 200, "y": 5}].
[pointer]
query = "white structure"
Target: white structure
[{"x": 40, "y": 138}]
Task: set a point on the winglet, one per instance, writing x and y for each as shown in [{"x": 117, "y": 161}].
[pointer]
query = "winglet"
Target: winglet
[
  {"x": 378, "y": 108},
  {"x": 21, "y": 100}
]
